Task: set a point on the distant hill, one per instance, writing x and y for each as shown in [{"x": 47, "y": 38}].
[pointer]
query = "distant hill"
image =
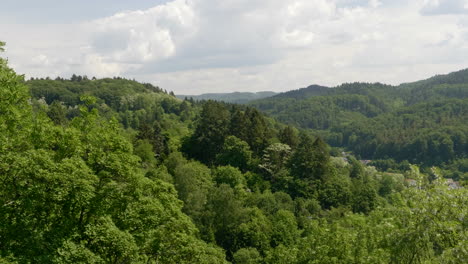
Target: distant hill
[
  {"x": 235, "y": 97},
  {"x": 422, "y": 122},
  {"x": 109, "y": 90},
  {"x": 312, "y": 90},
  {"x": 458, "y": 77}
]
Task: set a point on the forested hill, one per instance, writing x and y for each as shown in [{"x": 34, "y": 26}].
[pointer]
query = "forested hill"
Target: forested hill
[
  {"x": 235, "y": 97},
  {"x": 411, "y": 92},
  {"x": 68, "y": 91},
  {"x": 458, "y": 77},
  {"x": 113, "y": 171},
  {"x": 424, "y": 122},
  {"x": 312, "y": 90}
]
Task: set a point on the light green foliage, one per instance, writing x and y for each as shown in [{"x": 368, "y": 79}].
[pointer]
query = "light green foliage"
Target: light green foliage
[
  {"x": 174, "y": 160},
  {"x": 76, "y": 193},
  {"x": 270, "y": 202},
  {"x": 144, "y": 150},
  {"x": 435, "y": 223},
  {"x": 175, "y": 242},
  {"x": 70, "y": 252},
  {"x": 108, "y": 241},
  {"x": 285, "y": 230},
  {"x": 364, "y": 198},
  {"x": 229, "y": 175},
  {"x": 334, "y": 192},
  {"x": 429, "y": 226},
  {"x": 193, "y": 182},
  {"x": 282, "y": 254},
  {"x": 256, "y": 182},
  {"x": 92, "y": 173},
  {"x": 224, "y": 212},
  {"x": 255, "y": 232},
  {"x": 13, "y": 103},
  {"x": 8, "y": 260},
  {"x": 160, "y": 173},
  {"x": 338, "y": 162},
  {"x": 235, "y": 152},
  {"x": 390, "y": 183},
  {"x": 247, "y": 256}
]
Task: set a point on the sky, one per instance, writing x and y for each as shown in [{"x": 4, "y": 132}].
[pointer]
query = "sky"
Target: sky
[{"x": 206, "y": 46}]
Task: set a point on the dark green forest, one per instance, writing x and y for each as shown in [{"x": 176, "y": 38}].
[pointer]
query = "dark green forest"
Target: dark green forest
[
  {"x": 116, "y": 171},
  {"x": 423, "y": 123}
]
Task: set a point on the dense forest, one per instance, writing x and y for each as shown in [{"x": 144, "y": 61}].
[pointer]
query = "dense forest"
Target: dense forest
[
  {"x": 115, "y": 171},
  {"x": 424, "y": 123}
]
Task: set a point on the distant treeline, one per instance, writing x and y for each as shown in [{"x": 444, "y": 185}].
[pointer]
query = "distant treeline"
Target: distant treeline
[{"x": 424, "y": 122}]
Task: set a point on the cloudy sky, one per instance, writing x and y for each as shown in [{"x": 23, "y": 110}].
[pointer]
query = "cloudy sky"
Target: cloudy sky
[{"x": 197, "y": 46}]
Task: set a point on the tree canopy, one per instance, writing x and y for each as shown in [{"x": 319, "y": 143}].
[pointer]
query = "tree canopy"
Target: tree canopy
[{"x": 115, "y": 171}]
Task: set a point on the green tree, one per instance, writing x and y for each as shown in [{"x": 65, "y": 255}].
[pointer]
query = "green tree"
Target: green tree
[
  {"x": 154, "y": 135},
  {"x": 311, "y": 159},
  {"x": 77, "y": 193},
  {"x": 282, "y": 254},
  {"x": 229, "y": 175},
  {"x": 212, "y": 128},
  {"x": 235, "y": 152},
  {"x": 334, "y": 192},
  {"x": 247, "y": 256},
  {"x": 259, "y": 133},
  {"x": 284, "y": 229},
  {"x": 274, "y": 165},
  {"x": 193, "y": 182},
  {"x": 430, "y": 225},
  {"x": 254, "y": 231},
  {"x": 224, "y": 213},
  {"x": 364, "y": 197},
  {"x": 57, "y": 113},
  {"x": 289, "y": 136},
  {"x": 239, "y": 124},
  {"x": 275, "y": 158}
]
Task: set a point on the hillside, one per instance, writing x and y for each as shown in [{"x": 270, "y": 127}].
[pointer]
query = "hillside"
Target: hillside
[
  {"x": 423, "y": 122},
  {"x": 118, "y": 169},
  {"x": 114, "y": 171},
  {"x": 235, "y": 97},
  {"x": 312, "y": 90}
]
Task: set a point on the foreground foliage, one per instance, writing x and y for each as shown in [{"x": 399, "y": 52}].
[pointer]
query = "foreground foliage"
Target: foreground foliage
[
  {"x": 76, "y": 194},
  {"x": 143, "y": 177}
]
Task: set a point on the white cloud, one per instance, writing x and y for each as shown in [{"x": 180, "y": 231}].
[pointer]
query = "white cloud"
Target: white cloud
[
  {"x": 192, "y": 46},
  {"x": 444, "y": 7},
  {"x": 143, "y": 36},
  {"x": 40, "y": 60},
  {"x": 374, "y": 3}
]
